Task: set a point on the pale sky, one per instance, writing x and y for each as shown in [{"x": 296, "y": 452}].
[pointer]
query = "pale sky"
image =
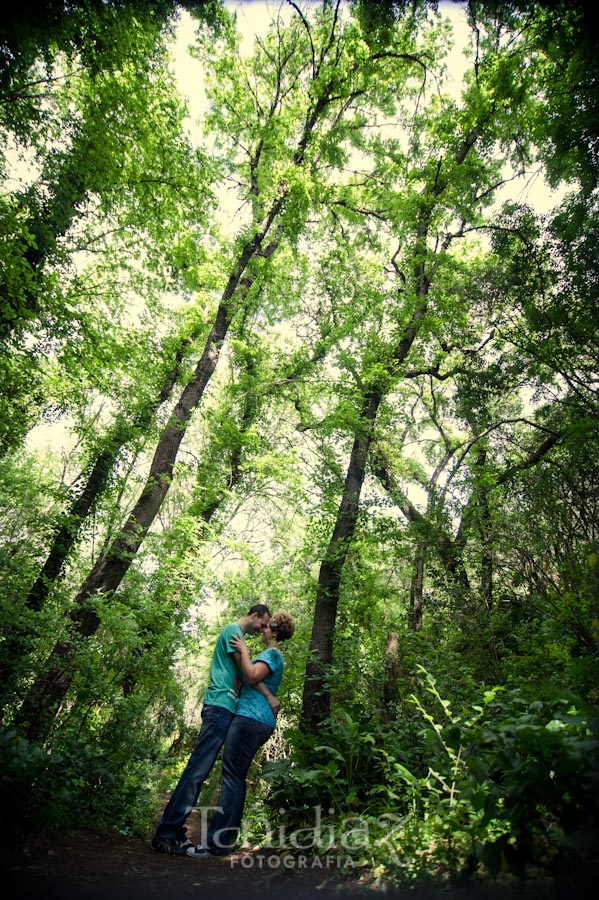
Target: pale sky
[{"x": 253, "y": 17}]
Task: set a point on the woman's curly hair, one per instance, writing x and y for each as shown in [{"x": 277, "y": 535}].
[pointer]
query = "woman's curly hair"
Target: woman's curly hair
[{"x": 283, "y": 625}]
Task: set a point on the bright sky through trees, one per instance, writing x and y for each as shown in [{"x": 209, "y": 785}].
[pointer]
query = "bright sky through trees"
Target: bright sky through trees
[{"x": 253, "y": 18}]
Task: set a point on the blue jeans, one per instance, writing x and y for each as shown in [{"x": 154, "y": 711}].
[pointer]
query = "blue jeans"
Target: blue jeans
[
  {"x": 215, "y": 725},
  {"x": 244, "y": 738}
]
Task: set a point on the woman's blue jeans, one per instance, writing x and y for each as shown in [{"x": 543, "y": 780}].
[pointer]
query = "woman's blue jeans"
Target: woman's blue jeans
[
  {"x": 215, "y": 725},
  {"x": 244, "y": 738}
]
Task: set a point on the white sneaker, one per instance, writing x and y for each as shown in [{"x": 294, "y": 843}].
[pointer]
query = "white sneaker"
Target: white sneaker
[{"x": 198, "y": 852}]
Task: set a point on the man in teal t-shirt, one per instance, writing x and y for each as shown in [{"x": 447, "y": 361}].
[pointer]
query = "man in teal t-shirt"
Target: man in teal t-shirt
[{"x": 218, "y": 709}]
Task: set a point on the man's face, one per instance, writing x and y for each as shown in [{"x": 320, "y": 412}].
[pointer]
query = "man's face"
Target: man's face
[{"x": 259, "y": 623}]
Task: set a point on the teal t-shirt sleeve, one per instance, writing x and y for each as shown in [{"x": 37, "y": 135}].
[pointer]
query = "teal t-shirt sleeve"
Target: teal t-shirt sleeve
[
  {"x": 272, "y": 658},
  {"x": 265, "y": 657},
  {"x": 225, "y": 681}
]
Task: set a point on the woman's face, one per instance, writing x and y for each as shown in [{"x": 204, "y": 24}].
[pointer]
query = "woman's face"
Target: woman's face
[{"x": 268, "y": 635}]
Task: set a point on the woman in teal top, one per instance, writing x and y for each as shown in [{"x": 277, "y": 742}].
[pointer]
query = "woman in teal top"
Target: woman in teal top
[{"x": 252, "y": 725}]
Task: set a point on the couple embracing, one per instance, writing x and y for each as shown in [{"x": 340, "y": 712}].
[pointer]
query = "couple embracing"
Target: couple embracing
[{"x": 239, "y": 711}]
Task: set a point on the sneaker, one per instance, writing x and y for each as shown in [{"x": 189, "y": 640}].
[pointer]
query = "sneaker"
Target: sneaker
[
  {"x": 171, "y": 845},
  {"x": 198, "y": 852},
  {"x": 185, "y": 846}
]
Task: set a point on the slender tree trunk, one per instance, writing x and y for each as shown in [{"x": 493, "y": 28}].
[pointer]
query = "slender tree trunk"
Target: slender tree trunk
[
  {"x": 316, "y": 701},
  {"x": 390, "y": 684},
  {"x": 316, "y": 704},
  {"x": 449, "y": 551},
  {"x": 486, "y": 563},
  {"x": 417, "y": 588},
  {"x": 66, "y": 535}
]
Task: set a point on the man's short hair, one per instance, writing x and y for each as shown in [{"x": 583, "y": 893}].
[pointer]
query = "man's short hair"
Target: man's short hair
[{"x": 261, "y": 609}]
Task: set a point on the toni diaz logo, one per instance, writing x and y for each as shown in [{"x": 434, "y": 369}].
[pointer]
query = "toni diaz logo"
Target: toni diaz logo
[{"x": 332, "y": 845}]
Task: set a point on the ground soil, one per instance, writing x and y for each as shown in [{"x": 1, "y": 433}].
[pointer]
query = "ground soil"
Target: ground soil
[{"x": 89, "y": 866}]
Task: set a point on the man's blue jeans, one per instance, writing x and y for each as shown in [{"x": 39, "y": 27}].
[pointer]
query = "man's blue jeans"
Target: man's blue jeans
[
  {"x": 244, "y": 738},
  {"x": 215, "y": 725}
]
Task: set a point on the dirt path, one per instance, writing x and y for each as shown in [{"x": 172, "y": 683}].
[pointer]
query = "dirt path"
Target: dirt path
[{"x": 114, "y": 867}]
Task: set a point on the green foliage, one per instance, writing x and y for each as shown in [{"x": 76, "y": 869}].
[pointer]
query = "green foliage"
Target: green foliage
[
  {"x": 508, "y": 783},
  {"x": 518, "y": 775},
  {"x": 22, "y": 766},
  {"x": 107, "y": 770},
  {"x": 341, "y": 769},
  {"x": 112, "y": 735},
  {"x": 388, "y": 272}
]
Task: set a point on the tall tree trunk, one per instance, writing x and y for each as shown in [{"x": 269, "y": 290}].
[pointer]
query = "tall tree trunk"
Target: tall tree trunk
[
  {"x": 316, "y": 701},
  {"x": 487, "y": 557},
  {"x": 43, "y": 700},
  {"x": 316, "y": 696}
]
